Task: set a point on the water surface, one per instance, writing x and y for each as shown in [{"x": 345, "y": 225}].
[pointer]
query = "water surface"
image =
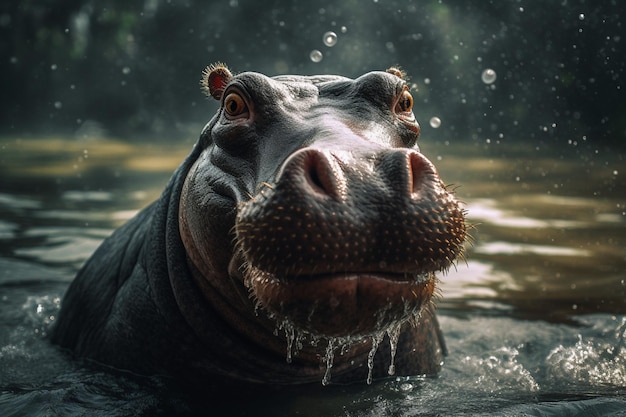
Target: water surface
[{"x": 534, "y": 316}]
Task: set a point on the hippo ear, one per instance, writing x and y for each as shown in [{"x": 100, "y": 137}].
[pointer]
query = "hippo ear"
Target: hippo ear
[
  {"x": 396, "y": 71},
  {"x": 215, "y": 77}
]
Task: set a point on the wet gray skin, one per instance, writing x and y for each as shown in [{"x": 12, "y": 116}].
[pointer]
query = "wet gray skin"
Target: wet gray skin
[{"x": 304, "y": 223}]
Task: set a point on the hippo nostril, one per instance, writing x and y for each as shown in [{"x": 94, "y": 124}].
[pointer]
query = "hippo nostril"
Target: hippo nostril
[
  {"x": 320, "y": 175},
  {"x": 314, "y": 179},
  {"x": 418, "y": 170}
]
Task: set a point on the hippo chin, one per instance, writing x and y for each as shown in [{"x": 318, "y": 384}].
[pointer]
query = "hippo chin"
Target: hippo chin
[{"x": 304, "y": 222}]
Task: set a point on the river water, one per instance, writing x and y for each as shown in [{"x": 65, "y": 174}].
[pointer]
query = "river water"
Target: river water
[{"x": 534, "y": 317}]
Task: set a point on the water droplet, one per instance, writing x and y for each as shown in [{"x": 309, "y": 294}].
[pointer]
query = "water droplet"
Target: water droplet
[
  {"x": 329, "y": 39},
  {"x": 344, "y": 29},
  {"x": 488, "y": 76},
  {"x": 316, "y": 56},
  {"x": 581, "y": 16},
  {"x": 435, "y": 122}
]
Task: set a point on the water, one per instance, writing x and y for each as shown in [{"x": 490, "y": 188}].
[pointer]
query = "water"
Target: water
[
  {"x": 534, "y": 318},
  {"x": 435, "y": 122},
  {"x": 329, "y": 39},
  {"x": 488, "y": 76},
  {"x": 316, "y": 56}
]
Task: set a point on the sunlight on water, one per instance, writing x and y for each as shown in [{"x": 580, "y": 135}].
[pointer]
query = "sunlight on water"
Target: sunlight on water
[
  {"x": 508, "y": 248},
  {"x": 62, "y": 250},
  {"x": 82, "y": 196},
  {"x": 472, "y": 279},
  {"x": 488, "y": 211}
]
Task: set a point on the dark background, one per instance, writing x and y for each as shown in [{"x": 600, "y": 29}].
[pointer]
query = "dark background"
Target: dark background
[{"x": 130, "y": 69}]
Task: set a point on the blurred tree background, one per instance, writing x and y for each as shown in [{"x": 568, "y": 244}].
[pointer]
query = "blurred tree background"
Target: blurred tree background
[{"x": 130, "y": 69}]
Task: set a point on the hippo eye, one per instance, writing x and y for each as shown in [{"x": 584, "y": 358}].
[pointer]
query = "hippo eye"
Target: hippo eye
[
  {"x": 234, "y": 105},
  {"x": 405, "y": 104}
]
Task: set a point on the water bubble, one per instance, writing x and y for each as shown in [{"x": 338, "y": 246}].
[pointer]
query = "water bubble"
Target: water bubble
[
  {"x": 488, "y": 76},
  {"x": 330, "y": 39},
  {"x": 316, "y": 56},
  {"x": 53, "y": 67},
  {"x": 581, "y": 16},
  {"x": 58, "y": 105},
  {"x": 125, "y": 70},
  {"x": 344, "y": 29},
  {"x": 426, "y": 81},
  {"x": 435, "y": 122}
]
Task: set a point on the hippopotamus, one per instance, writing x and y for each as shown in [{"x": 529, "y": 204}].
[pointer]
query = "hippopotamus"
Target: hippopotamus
[{"x": 303, "y": 232}]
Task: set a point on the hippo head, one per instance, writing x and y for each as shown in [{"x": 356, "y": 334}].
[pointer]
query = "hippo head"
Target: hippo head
[{"x": 310, "y": 201}]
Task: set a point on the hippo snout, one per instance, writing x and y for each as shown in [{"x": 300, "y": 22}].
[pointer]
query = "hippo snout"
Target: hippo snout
[{"x": 340, "y": 234}]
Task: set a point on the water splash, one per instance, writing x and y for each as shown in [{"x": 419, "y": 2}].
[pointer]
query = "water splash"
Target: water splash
[
  {"x": 591, "y": 361},
  {"x": 500, "y": 371},
  {"x": 41, "y": 312}
]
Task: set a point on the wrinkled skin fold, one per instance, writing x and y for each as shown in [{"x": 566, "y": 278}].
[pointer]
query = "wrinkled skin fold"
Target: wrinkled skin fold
[{"x": 305, "y": 219}]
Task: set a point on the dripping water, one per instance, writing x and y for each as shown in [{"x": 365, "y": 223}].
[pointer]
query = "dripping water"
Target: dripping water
[
  {"x": 328, "y": 359},
  {"x": 290, "y": 334},
  {"x": 296, "y": 338},
  {"x": 376, "y": 339},
  {"x": 393, "y": 332}
]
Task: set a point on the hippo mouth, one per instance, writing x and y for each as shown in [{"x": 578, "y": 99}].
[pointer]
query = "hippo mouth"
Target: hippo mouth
[
  {"x": 342, "y": 252},
  {"x": 342, "y": 304}
]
